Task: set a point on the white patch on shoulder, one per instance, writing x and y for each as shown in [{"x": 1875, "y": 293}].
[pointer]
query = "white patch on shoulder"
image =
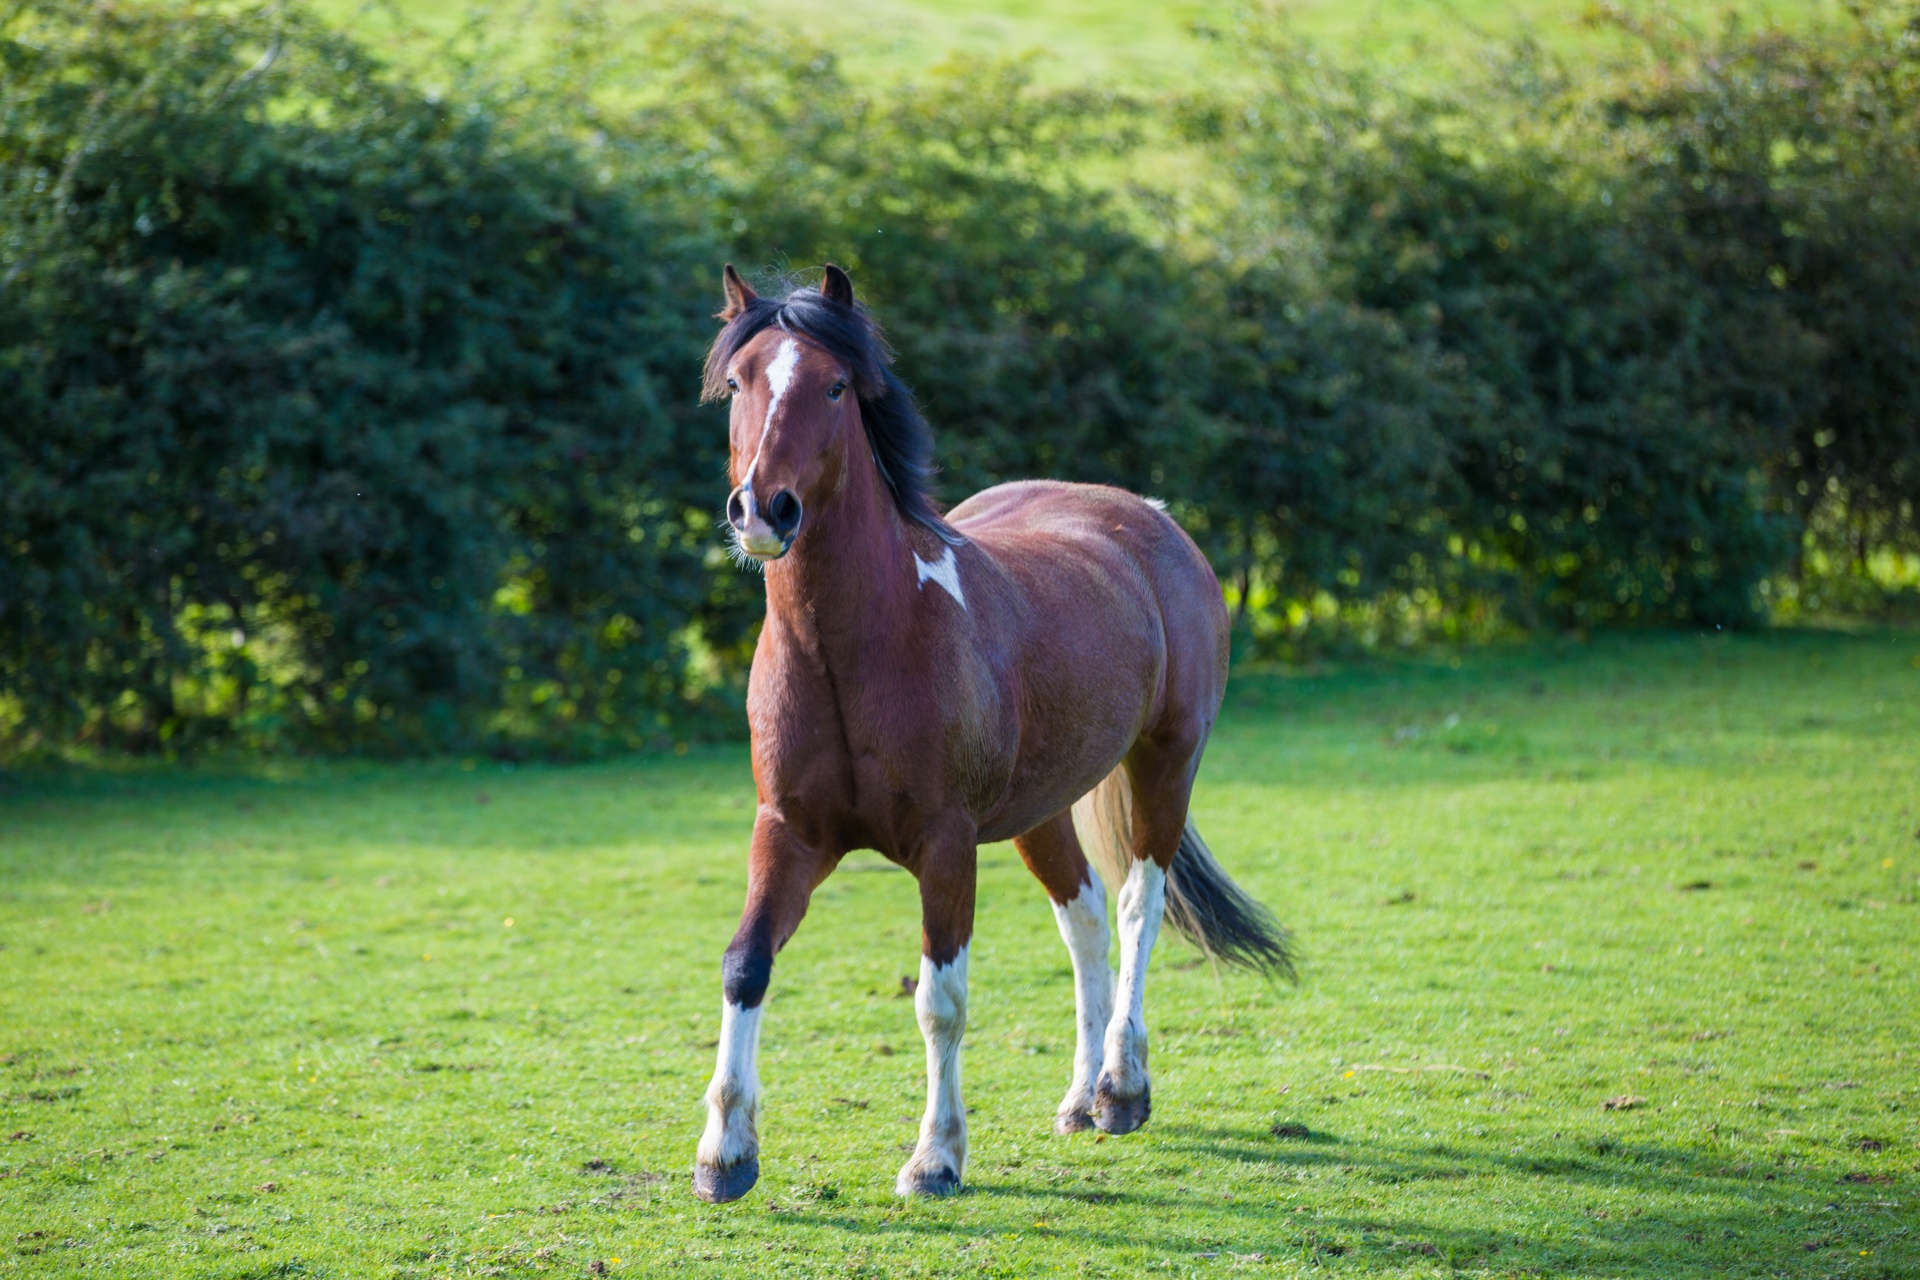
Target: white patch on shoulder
[
  {"x": 945, "y": 571},
  {"x": 1155, "y": 503}
]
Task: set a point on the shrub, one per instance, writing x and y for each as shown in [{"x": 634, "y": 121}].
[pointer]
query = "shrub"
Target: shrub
[
  {"x": 342, "y": 411},
  {"x": 332, "y": 409}
]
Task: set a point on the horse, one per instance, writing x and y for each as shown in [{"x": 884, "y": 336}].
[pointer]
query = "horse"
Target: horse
[{"x": 1043, "y": 663}]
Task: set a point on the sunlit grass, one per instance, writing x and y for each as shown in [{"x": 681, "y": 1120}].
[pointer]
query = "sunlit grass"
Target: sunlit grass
[
  {"x": 349, "y": 1020},
  {"x": 1121, "y": 43}
]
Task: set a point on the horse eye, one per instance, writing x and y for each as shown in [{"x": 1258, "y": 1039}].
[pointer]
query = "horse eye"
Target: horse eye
[
  {"x": 836, "y": 391},
  {"x": 733, "y": 384}
]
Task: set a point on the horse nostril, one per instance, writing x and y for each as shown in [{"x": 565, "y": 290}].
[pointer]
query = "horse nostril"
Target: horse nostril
[
  {"x": 783, "y": 513},
  {"x": 737, "y": 507}
]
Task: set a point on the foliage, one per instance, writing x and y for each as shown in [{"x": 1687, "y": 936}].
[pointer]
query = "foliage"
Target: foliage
[
  {"x": 345, "y": 408},
  {"x": 1780, "y": 178},
  {"x": 332, "y": 409},
  {"x": 1677, "y": 289}
]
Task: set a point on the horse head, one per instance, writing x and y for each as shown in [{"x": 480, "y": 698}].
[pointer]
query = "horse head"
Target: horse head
[
  {"x": 790, "y": 417},
  {"x": 802, "y": 374}
]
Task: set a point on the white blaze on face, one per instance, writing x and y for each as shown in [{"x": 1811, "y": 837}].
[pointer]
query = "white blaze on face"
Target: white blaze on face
[
  {"x": 779, "y": 378},
  {"x": 733, "y": 1099},
  {"x": 1083, "y": 927},
  {"x": 945, "y": 571}
]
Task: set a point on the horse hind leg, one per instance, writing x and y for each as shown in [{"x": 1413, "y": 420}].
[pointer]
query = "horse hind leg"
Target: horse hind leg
[
  {"x": 1133, "y": 821},
  {"x": 1052, "y": 852}
]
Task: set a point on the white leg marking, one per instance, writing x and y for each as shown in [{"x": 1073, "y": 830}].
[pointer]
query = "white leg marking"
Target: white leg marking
[
  {"x": 940, "y": 1003},
  {"x": 1142, "y": 900},
  {"x": 733, "y": 1099},
  {"x": 944, "y": 571},
  {"x": 1083, "y": 926}
]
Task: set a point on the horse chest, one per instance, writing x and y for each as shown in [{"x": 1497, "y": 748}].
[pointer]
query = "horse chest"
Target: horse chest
[{"x": 884, "y": 749}]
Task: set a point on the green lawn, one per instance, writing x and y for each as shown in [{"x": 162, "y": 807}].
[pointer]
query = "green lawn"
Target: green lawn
[
  {"x": 351, "y": 1020},
  {"x": 1137, "y": 43}
]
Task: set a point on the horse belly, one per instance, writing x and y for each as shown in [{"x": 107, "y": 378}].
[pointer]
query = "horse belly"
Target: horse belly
[{"x": 1085, "y": 700}]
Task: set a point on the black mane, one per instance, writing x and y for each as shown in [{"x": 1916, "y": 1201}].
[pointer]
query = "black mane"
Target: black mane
[{"x": 901, "y": 440}]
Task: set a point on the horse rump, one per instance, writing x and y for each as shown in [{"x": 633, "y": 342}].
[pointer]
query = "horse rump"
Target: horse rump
[{"x": 1203, "y": 903}]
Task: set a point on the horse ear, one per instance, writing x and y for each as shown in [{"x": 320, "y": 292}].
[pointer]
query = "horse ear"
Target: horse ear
[
  {"x": 738, "y": 294},
  {"x": 837, "y": 286}
]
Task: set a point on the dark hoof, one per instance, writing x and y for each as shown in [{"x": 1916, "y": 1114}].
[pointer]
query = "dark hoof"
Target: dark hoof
[
  {"x": 719, "y": 1186},
  {"x": 1120, "y": 1115},
  {"x": 1072, "y": 1122},
  {"x": 934, "y": 1182}
]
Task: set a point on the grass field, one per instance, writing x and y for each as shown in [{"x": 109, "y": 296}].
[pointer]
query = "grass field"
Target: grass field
[
  {"x": 1133, "y": 43},
  {"x": 347, "y": 1020}
]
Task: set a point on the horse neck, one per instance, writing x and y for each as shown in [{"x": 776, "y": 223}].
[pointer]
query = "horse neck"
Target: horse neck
[{"x": 849, "y": 578}]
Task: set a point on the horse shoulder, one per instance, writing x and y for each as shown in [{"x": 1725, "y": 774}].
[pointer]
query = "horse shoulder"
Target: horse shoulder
[{"x": 799, "y": 744}]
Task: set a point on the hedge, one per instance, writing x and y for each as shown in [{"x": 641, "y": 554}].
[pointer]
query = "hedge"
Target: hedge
[{"x": 342, "y": 409}]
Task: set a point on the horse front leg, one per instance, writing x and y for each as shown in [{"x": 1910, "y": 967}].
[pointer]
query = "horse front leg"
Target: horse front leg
[
  {"x": 782, "y": 873},
  {"x": 946, "y": 870}
]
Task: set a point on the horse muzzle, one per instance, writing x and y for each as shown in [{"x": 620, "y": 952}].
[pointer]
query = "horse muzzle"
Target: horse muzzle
[{"x": 765, "y": 533}]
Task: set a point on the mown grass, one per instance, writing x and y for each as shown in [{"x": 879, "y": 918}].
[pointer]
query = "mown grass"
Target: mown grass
[
  {"x": 1137, "y": 44},
  {"x": 276, "y": 1022}
]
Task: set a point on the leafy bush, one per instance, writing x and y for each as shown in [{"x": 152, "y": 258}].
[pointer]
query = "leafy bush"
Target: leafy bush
[
  {"x": 331, "y": 409},
  {"x": 1779, "y": 177},
  {"x": 1677, "y": 291},
  {"x": 339, "y": 410}
]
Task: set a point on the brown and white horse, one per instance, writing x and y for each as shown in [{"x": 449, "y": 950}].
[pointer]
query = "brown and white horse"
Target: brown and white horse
[{"x": 1045, "y": 653}]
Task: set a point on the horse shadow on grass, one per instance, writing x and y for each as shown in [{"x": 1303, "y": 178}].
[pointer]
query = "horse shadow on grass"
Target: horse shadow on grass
[
  {"x": 1618, "y": 1208},
  {"x": 1622, "y": 1207}
]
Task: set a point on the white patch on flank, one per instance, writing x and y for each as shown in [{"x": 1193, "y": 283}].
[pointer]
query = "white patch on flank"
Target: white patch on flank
[
  {"x": 1156, "y": 504},
  {"x": 1083, "y": 927},
  {"x": 1143, "y": 898},
  {"x": 940, "y": 1003},
  {"x": 779, "y": 378},
  {"x": 733, "y": 1099},
  {"x": 945, "y": 571}
]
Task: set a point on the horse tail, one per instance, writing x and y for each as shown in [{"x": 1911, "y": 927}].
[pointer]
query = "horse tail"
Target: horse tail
[
  {"x": 1220, "y": 917},
  {"x": 1103, "y": 819},
  {"x": 1203, "y": 903}
]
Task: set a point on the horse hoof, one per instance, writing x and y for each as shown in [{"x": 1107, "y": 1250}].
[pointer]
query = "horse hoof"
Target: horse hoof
[
  {"x": 726, "y": 1183},
  {"x": 927, "y": 1182},
  {"x": 1121, "y": 1115},
  {"x": 1078, "y": 1120}
]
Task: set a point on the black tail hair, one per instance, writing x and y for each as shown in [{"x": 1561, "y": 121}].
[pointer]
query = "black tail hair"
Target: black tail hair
[{"x": 1220, "y": 917}]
